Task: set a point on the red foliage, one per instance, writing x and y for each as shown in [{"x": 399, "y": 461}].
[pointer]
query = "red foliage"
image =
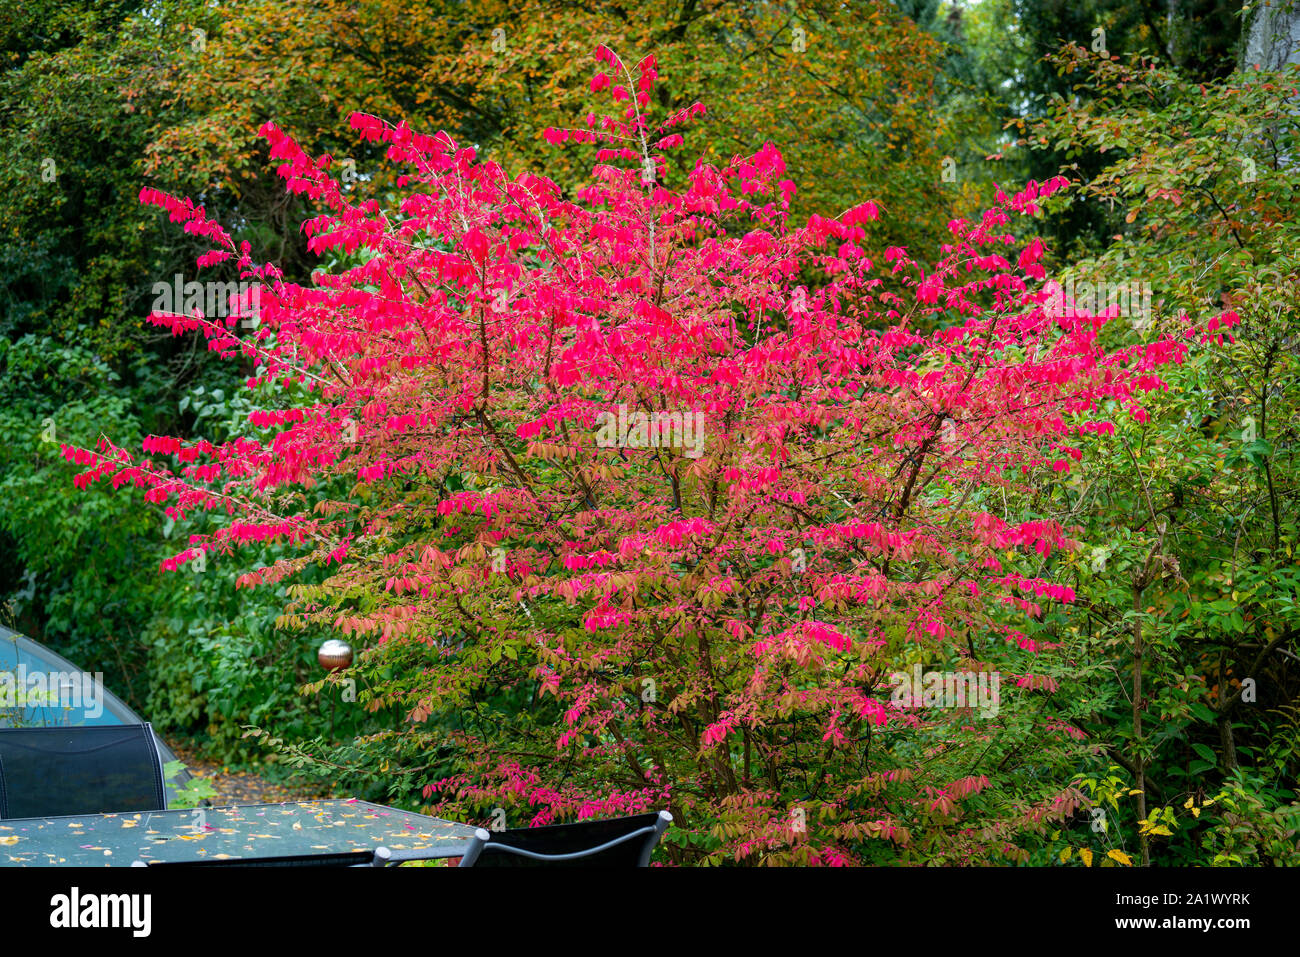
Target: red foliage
[{"x": 838, "y": 431}]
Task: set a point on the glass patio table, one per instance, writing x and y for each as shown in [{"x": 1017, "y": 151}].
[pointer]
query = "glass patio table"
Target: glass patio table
[{"x": 305, "y": 830}]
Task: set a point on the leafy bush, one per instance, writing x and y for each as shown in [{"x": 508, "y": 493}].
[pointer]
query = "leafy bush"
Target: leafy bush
[{"x": 572, "y": 619}]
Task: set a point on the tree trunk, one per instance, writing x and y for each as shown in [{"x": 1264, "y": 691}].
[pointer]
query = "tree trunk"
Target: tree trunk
[{"x": 1271, "y": 35}]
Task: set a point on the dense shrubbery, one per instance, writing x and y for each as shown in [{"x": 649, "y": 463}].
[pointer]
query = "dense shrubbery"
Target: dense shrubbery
[
  {"x": 715, "y": 624},
  {"x": 835, "y": 530}
]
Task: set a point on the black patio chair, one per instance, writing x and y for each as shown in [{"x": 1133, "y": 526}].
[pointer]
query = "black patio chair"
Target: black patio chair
[
  {"x": 611, "y": 842},
  {"x": 97, "y": 769}
]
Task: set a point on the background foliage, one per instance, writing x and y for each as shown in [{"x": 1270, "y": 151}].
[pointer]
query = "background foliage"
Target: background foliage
[{"x": 1185, "y": 176}]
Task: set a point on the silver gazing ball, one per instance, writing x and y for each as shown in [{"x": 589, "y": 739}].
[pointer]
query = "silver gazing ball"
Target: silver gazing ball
[{"x": 334, "y": 654}]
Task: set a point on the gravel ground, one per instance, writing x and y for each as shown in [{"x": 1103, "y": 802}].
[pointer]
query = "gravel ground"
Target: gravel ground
[{"x": 246, "y": 787}]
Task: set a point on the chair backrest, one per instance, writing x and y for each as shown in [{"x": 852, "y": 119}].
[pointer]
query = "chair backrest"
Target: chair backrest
[
  {"x": 610, "y": 842},
  {"x": 95, "y": 769}
]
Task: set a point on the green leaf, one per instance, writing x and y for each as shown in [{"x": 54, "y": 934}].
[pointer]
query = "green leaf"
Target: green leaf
[{"x": 1202, "y": 712}]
